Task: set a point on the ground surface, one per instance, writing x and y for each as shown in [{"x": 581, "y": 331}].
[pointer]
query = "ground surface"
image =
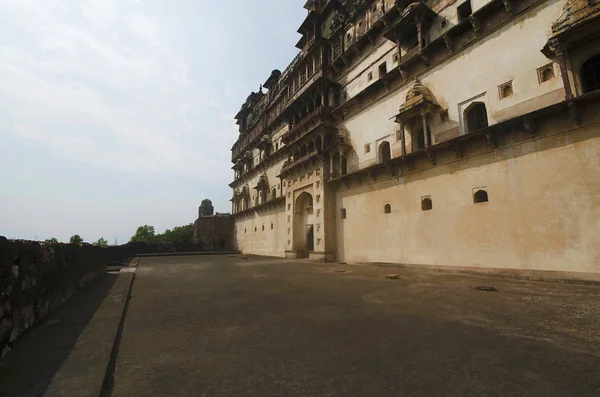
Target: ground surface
[{"x": 227, "y": 326}]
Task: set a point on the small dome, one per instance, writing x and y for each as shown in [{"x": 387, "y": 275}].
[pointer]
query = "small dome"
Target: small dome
[
  {"x": 206, "y": 202},
  {"x": 419, "y": 90}
]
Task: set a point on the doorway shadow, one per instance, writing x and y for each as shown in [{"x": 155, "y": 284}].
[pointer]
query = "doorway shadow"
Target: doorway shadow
[{"x": 29, "y": 368}]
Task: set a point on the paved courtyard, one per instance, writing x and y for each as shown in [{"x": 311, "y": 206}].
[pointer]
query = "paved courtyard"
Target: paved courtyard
[{"x": 229, "y": 326}]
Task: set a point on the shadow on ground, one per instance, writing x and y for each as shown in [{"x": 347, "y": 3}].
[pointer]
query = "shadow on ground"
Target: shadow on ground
[{"x": 28, "y": 369}]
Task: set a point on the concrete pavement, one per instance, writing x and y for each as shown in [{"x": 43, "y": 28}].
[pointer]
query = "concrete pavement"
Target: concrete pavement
[{"x": 227, "y": 326}]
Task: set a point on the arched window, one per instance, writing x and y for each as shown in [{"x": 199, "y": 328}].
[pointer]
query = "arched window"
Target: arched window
[
  {"x": 590, "y": 74},
  {"x": 476, "y": 117},
  {"x": 426, "y": 204},
  {"x": 273, "y": 194},
  {"x": 344, "y": 166},
  {"x": 271, "y": 226},
  {"x": 480, "y": 196},
  {"x": 387, "y": 209},
  {"x": 384, "y": 152}
]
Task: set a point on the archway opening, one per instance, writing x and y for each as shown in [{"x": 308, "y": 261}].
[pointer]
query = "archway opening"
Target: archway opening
[
  {"x": 476, "y": 117},
  {"x": 426, "y": 204},
  {"x": 480, "y": 196},
  {"x": 590, "y": 74},
  {"x": 303, "y": 225},
  {"x": 385, "y": 153}
]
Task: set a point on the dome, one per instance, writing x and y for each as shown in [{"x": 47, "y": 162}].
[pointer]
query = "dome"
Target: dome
[{"x": 419, "y": 90}]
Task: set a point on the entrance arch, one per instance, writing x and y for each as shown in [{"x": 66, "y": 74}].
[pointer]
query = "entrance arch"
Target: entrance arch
[{"x": 304, "y": 235}]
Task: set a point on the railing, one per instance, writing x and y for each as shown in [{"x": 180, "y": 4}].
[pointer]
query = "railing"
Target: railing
[
  {"x": 316, "y": 114},
  {"x": 290, "y": 165}
]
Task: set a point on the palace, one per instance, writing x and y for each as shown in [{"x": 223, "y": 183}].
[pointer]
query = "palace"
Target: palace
[{"x": 440, "y": 132}]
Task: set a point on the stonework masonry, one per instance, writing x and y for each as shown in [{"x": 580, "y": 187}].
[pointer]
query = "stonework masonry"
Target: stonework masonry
[
  {"x": 36, "y": 279},
  {"x": 442, "y": 133},
  {"x": 213, "y": 232}
]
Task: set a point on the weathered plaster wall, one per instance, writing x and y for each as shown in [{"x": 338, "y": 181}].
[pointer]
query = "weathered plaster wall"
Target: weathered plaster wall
[
  {"x": 474, "y": 75},
  {"x": 35, "y": 279},
  {"x": 543, "y": 211},
  {"x": 262, "y": 234}
]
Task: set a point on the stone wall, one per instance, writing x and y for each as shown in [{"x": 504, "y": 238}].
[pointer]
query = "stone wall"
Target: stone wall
[
  {"x": 37, "y": 278},
  {"x": 214, "y": 233}
]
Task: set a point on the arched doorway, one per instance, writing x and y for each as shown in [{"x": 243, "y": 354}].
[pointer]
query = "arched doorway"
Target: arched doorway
[
  {"x": 590, "y": 74},
  {"x": 476, "y": 117},
  {"x": 384, "y": 152},
  {"x": 304, "y": 225}
]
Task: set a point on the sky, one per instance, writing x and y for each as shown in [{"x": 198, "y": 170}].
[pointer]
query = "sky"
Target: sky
[{"x": 119, "y": 113}]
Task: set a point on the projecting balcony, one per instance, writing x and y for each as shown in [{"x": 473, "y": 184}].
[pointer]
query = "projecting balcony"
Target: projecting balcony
[
  {"x": 305, "y": 125},
  {"x": 291, "y": 165}
]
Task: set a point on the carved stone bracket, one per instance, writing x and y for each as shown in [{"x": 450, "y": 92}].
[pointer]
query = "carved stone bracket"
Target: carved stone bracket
[
  {"x": 448, "y": 41},
  {"x": 491, "y": 138},
  {"x": 431, "y": 155},
  {"x": 459, "y": 150},
  {"x": 475, "y": 23},
  {"x": 508, "y": 6},
  {"x": 373, "y": 173},
  {"x": 574, "y": 113},
  {"x": 424, "y": 58},
  {"x": 529, "y": 125}
]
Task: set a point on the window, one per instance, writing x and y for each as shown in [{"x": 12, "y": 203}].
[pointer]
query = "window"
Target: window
[
  {"x": 444, "y": 116},
  {"x": 368, "y": 148},
  {"x": 387, "y": 209},
  {"x": 444, "y": 24},
  {"x": 396, "y": 57},
  {"x": 590, "y": 74},
  {"x": 382, "y": 69},
  {"x": 255, "y": 229},
  {"x": 426, "y": 204},
  {"x": 348, "y": 37},
  {"x": 480, "y": 196},
  {"x": 263, "y": 228},
  {"x": 271, "y": 226},
  {"x": 344, "y": 166},
  {"x": 370, "y": 76},
  {"x": 464, "y": 10},
  {"x": 476, "y": 117},
  {"x": 343, "y": 213},
  {"x": 384, "y": 152},
  {"x": 546, "y": 73},
  {"x": 245, "y": 231},
  {"x": 506, "y": 90}
]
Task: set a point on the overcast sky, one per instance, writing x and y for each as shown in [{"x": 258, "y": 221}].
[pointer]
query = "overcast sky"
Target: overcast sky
[{"x": 119, "y": 113}]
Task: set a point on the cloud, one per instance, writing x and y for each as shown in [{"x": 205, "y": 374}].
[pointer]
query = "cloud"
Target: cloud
[
  {"x": 122, "y": 97},
  {"x": 101, "y": 13},
  {"x": 142, "y": 26}
]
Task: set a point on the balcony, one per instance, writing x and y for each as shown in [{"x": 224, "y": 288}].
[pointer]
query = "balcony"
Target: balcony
[
  {"x": 306, "y": 124},
  {"x": 289, "y": 166}
]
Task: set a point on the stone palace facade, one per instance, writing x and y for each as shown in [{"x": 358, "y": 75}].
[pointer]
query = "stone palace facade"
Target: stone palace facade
[{"x": 439, "y": 132}]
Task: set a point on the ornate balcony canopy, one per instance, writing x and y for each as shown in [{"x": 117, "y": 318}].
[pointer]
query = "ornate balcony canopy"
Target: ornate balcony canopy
[
  {"x": 415, "y": 13},
  {"x": 418, "y": 99},
  {"x": 263, "y": 183}
]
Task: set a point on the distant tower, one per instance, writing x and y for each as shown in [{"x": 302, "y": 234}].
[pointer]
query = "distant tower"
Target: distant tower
[{"x": 206, "y": 209}]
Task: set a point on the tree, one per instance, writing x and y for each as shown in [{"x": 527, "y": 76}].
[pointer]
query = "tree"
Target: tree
[
  {"x": 76, "y": 239},
  {"x": 52, "y": 240},
  {"x": 144, "y": 234},
  {"x": 180, "y": 235},
  {"x": 101, "y": 243}
]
